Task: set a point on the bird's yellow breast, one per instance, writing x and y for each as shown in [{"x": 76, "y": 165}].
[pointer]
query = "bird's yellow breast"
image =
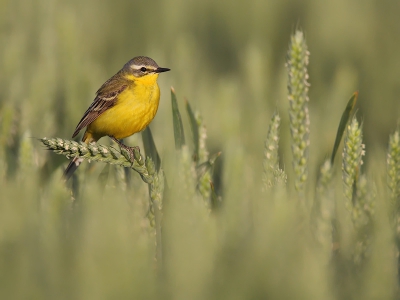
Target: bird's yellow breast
[{"x": 135, "y": 108}]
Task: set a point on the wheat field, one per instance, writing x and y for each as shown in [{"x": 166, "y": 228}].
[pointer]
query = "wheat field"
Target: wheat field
[{"x": 239, "y": 193}]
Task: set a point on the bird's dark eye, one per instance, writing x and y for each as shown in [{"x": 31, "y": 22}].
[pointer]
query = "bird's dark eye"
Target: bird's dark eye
[{"x": 143, "y": 69}]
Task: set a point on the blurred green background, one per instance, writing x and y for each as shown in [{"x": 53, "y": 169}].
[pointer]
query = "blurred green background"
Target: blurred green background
[{"x": 228, "y": 59}]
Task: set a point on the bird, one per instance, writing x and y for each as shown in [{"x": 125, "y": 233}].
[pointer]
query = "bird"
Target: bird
[{"x": 124, "y": 105}]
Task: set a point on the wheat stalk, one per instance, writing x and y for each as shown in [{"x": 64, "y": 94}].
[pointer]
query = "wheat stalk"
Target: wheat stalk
[{"x": 296, "y": 63}]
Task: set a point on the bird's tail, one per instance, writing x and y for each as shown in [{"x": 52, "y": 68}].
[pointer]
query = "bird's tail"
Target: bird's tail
[
  {"x": 73, "y": 165},
  {"x": 76, "y": 162}
]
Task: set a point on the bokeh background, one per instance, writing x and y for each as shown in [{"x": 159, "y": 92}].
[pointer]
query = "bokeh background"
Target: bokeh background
[{"x": 228, "y": 59}]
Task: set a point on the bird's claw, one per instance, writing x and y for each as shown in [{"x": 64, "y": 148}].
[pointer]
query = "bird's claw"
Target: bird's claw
[{"x": 130, "y": 153}]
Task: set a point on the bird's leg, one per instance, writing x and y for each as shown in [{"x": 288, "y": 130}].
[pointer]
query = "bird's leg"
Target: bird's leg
[{"x": 130, "y": 150}]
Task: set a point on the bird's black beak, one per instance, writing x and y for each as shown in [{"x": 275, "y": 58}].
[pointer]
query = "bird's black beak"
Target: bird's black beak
[{"x": 160, "y": 70}]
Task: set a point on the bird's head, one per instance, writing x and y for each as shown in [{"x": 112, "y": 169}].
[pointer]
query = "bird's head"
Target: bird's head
[{"x": 143, "y": 68}]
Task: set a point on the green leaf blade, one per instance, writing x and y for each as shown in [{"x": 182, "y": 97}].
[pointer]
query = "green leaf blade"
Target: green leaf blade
[
  {"x": 343, "y": 123},
  {"x": 195, "y": 130},
  {"x": 150, "y": 148},
  {"x": 177, "y": 120}
]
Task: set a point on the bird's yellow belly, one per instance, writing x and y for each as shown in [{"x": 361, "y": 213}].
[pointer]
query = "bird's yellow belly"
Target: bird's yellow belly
[{"x": 134, "y": 110}]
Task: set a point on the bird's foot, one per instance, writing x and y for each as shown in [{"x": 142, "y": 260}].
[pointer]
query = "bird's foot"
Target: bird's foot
[{"x": 128, "y": 152}]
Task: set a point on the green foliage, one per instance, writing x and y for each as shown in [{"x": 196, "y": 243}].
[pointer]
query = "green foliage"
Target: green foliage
[
  {"x": 199, "y": 222},
  {"x": 94, "y": 152}
]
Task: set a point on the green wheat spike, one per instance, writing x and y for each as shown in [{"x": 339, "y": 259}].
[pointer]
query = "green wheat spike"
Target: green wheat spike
[
  {"x": 296, "y": 63},
  {"x": 203, "y": 152},
  {"x": 187, "y": 174},
  {"x": 204, "y": 164},
  {"x": 352, "y": 160},
  {"x": 204, "y": 173},
  {"x": 364, "y": 204},
  {"x": 393, "y": 177},
  {"x": 205, "y": 188},
  {"x": 359, "y": 193},
  {"x": 95, "y": 152},
  {"x": 272, "y": 173},
  {"x": 362, "y": 216},
  {"x": 393, "y": 167},
  {"x": 207, "y": 162},
  {"x": 156, "y": 192}
]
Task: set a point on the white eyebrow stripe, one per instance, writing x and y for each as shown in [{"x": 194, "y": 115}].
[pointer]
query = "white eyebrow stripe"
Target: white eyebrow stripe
[{"x": 136, "y": 67}]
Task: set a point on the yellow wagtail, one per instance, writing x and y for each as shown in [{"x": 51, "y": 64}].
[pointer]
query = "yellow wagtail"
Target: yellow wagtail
[{"x": 124, "y": 105}]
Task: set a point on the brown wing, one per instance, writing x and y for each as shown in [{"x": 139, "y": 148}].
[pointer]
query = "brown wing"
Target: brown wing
[{"x": 106, "y": 97}]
